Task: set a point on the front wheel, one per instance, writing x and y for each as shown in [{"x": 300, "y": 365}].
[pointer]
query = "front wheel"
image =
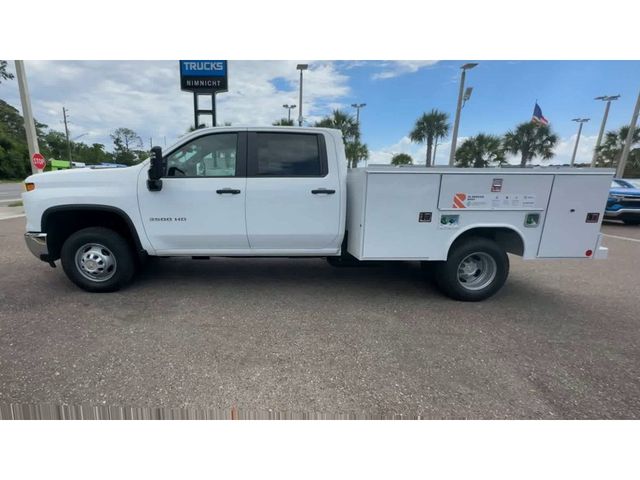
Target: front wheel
[
  {"x": 97, "y": 260},
  {"x": 475, "y": 269}
]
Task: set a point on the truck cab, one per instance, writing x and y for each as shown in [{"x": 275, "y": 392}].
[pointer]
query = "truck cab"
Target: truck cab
[{"x": 268, "y": 191}]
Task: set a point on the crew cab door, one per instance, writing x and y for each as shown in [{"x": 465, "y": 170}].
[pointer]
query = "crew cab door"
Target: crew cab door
[
  {"x": 201, "y": 206},
  {"x": 293, "y": 193}
]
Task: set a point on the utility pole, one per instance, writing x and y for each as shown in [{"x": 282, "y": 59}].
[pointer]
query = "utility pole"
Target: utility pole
[
  {"x": 629, "y": 140},
  {"x": 27, "y": 113},
  {"x": 607, "y": 99},
  {"x": 456, "y": 123},
  {"x": 66, "y": 131},
  {"x": 581, "y": 121}
]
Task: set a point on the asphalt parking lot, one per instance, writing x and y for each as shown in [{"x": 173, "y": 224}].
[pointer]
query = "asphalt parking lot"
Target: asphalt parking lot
[{"x": 561, "y": 340}]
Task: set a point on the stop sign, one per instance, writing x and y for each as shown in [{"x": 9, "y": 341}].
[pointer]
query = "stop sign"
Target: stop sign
[{"x": 38, "y": 161}]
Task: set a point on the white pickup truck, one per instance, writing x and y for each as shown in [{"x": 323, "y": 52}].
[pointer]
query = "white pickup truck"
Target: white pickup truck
[{"x": 249, "y": 192}]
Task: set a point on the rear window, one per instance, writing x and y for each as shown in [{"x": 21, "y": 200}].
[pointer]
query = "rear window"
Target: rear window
[{"x": 288, "y": 155}]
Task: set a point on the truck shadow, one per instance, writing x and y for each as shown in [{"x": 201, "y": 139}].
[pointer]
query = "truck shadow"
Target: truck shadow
[{"x": 283, "y": 273}]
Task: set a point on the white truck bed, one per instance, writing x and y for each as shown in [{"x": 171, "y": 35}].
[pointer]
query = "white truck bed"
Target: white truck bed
[{"x": 415, "y": 213}]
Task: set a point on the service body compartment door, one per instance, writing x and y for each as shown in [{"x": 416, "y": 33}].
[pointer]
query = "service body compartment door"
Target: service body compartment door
[
  {"x": 400, "y": 215},
  {"x": 566, "y": 232}
]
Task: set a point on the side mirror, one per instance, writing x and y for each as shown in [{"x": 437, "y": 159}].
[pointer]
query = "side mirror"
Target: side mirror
[{"x": 156, "y": 170}]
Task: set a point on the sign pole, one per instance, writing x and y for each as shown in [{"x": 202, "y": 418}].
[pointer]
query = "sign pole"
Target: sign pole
[
  {"x": 214, "y": 123},
  {"x": 195, "y": 111},
  {"x": 27, "y": 113}
]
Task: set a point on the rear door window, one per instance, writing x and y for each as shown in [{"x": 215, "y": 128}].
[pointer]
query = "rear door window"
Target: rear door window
[{"x": 288, "y": 155}]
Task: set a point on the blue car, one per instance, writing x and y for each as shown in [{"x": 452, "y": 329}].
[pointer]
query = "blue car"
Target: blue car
[{"x": 623, "y": 202}]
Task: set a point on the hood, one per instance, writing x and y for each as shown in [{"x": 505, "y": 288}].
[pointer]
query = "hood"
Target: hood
[
  {"x": 627, "y": 192},
  {"x": 83, "y": 175}
]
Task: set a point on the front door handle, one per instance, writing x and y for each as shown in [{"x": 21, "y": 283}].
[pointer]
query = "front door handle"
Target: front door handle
[
  {"x": 325, "y": 191},
  {"x": 230, "y": 191}
]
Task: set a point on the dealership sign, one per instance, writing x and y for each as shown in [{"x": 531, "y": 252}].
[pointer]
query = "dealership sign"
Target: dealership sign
[{"x": 203, "y": 76}]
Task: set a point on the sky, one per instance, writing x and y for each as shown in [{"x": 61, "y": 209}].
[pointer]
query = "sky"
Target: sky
[{"x": 145, "y": 96}]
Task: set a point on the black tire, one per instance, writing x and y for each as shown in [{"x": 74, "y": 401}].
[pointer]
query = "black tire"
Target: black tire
[
  {"x": 632, "y": 221},
  {"x": 478, "y": 252},
  {"x": 116, "y": 254}
]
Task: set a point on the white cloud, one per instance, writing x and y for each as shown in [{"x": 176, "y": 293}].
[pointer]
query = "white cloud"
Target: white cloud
[
  {"x": 401, "y": 67},
  {"x": 145, "y": 96}
]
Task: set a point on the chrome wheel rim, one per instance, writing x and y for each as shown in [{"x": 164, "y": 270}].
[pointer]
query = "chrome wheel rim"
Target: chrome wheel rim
[
  {"x": 95, "y": 262},
  {"x": 476, "y": 271}
]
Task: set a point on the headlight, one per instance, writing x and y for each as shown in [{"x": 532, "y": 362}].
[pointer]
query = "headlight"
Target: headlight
[{"x": 616, "y": 198}]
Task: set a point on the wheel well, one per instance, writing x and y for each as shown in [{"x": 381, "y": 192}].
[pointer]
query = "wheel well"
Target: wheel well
[
  {"x": 59, "y": 223},
  {"x": 509, "y": 239}
]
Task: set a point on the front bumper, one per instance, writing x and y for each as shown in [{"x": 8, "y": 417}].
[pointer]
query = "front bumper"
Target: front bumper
[
  {"x": 623, "y": 212},
  {"x": 37, "y": 244}
]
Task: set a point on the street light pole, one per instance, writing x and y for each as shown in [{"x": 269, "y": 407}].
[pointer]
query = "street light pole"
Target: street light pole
[
  {"x": 358, "y": 106},
  {"x": 607, "y": 99},
  {"x": 289, "y": 108},
  {"x": 27, "y": 113},
  {"x": 581, "y": 121},
  {"x": 302, "y": 67},
  {"x": 628, "y": 141},
  {"x": 456, "y": 123}
]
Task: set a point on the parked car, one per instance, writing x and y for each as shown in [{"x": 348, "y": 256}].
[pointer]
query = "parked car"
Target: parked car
[{"x": 623, "y": 202}]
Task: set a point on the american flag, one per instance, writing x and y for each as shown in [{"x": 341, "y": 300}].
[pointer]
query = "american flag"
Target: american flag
[{"x": 538, "y": 117}]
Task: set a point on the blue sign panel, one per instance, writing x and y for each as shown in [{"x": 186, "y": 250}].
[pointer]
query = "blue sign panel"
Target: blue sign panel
[{"x": 204, "y": 76}]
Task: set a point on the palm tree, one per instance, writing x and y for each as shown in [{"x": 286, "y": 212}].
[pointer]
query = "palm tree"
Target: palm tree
[
  {"x": 480, "y": 151},
  {"x": 531, "y": 140},
  {"x": 354, "y": 149},
  {"x": 429, "y": 128},
  {"x": 402, "y": 159},
  {"x": 610, "y": 151}
]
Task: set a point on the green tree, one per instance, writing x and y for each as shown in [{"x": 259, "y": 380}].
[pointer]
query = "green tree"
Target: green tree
[
  {"x": 91, "y": 154},
  {"x": 355, "y": 150},
  {"x": 402, "y": 159},
  {"x": 430, "y": 127},
  {"x": 126, "y": 144},
  {"x": 610, "y": 151},
  {"x": 530, "y": 140},
  {"x": 54, "y": 145},
  {"x": 14, "y": 153},
  {"x": 284, "y": 122},
  {"x": 4, "y": 75},
  {"x": 480, "y": 151}
]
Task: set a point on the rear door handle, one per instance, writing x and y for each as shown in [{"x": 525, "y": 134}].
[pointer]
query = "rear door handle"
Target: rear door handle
[
  {"x": 325, "y": 191},
  {"x": 231, "y": 191}
]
